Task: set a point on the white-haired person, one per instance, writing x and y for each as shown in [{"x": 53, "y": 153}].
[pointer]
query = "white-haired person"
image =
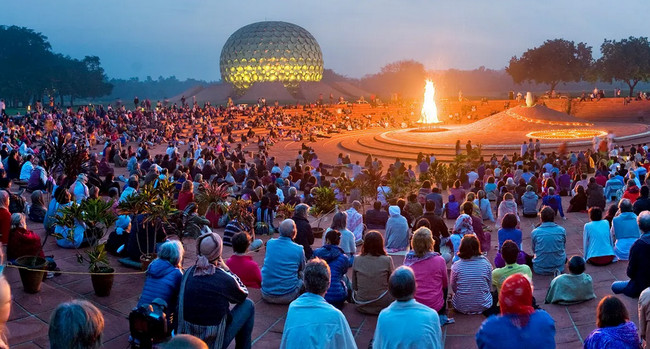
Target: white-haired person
[
  {"x": 164, "y": 275},
  {"x": 77, "y": 324},
  {"x": 311, "y": 321},
  {"x": 284, "y": 263},
  {"x": 207, "y": 290}
]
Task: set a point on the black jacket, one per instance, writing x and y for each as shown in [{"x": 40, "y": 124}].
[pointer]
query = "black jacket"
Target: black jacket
[
  {"x": 637, "y": 267},
  {"x": 641, "y": 204},
  {"x": 304, "y": 235}
]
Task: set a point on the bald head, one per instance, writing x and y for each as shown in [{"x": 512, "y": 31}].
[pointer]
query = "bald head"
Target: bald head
[
  {"x": 185, "y": 341},
  {"x": 288, "y": 228},
  {"x": 401, "y": 284}
]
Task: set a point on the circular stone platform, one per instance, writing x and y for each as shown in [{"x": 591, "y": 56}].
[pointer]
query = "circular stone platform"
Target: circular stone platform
[{"x": 502, "y": 133}]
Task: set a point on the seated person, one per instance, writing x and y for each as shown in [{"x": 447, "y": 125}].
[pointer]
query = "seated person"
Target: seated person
[
  {"x": 117, "y": 239},
  {"x": 553, "y": 201},
  {"x": 37, "y": 210},
  {"x": 430, "y": 271},
  {"x": 284, "y": 263},
  {"x": 210, "y": 279},
  {"x": 22, "y": 241},
  {"x": 311, "y": 321},
  {"x": 578, "y": 203},
  {"x": 637, "y": 267},
  {"x": 397, "y": 231},
  {"x": 575, "y": 287},
  {"x": 548, "y": 241},
  {"x": 597, "y": 240},
  {"x": 163, "y": 276},
  {"x": 529, "y": 202},
  {"x": 339, "y": 263},
  {"x": 510, "y": 232},
  {"x": 376, "y": 218},
  {"x": 615, "y": 330},
  {"x": 471, "y": 278},
  {"x": 510, "y": 252},
  {"x": 625, "y": 229},
  {"x": 392, "y": 331},
  {"x": 519, "y": 325},
  {"x": 243, "y": 264},
  {"x": 370, "y": 272}
]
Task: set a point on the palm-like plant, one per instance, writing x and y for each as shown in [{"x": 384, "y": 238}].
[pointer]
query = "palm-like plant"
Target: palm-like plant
[
  {"x": 98, "y": 217},
  {"x": 242, "y": 211},
  {"x": 211, "y": 196}
]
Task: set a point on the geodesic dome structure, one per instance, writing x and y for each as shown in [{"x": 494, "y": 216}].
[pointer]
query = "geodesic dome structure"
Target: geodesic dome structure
[{"x": 271, "y": 51}]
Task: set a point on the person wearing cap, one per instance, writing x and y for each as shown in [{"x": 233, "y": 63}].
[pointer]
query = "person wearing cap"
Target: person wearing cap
[
  {"x": 206, "y": 292},
  {"x": 284, "y": 263}
]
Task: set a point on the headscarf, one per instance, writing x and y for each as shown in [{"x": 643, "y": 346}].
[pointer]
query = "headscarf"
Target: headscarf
[
  {"x": 463, "y": 225},
  {"x": 208, "y": 249},
  {"x": 516, "y": 298}
]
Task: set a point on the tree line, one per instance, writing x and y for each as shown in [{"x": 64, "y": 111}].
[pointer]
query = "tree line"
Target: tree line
[
  {"x": 559, "y": 60},
  {"x": 30, "y": 71}
]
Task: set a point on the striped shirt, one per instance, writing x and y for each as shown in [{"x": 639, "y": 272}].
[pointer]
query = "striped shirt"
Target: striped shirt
[{"x": 470, "y": 282}]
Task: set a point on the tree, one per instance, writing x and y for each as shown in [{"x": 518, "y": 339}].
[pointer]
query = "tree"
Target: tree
[
  {"x": 404, "y": 77},
  {"x": 553, "y": 62},
  {"x": 627, "y": 60}
]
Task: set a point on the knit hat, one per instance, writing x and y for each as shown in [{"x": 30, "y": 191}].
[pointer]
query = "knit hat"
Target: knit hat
[{"x": 208, "y": 249}]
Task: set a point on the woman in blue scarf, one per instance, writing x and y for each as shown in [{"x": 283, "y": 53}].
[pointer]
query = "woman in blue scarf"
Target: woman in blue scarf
[{"x": 615, "y": 330}]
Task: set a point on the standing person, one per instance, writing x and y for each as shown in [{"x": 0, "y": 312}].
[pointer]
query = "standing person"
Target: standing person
[
  {"x": 284, "y": 263},
  {"x": 471, "y": 278},
  {"x": 311, "y": 321},
  {"x": 637, "y": 267},
  {"x": 76, "y": 324},
  {"x": 615, "y": 330},
  {"x": 548, "y": 241},
  {"x": 370, "y": 272},
  {"x": 214, "y": 322},
  {"x": 393, "y": 331},
  {"x": 304, "y": 234},
  {"x": 519, "y": 325}
]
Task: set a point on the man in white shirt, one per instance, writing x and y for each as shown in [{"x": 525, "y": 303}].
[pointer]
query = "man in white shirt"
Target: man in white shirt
[
  {"x": 405, "y": 323},
  {"x": 311, "y": 321}
]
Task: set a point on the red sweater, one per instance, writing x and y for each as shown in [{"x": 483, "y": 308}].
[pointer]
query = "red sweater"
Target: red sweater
[
  {"x": 184, "y": 198},
  {"x": 247, "y": 270},
  {"x": 5, "y": 225}
]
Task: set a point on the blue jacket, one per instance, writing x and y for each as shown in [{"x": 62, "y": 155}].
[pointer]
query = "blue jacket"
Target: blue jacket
[
  {"x": 339, "y": 264},
  {"x": 284, "y": 263},
  {"x": 499, "y": 332},
  {"x": 163, "y": 281}
]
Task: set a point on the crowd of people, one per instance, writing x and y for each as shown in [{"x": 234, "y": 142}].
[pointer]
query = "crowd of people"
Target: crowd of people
[{"x": 444, "y": 240}]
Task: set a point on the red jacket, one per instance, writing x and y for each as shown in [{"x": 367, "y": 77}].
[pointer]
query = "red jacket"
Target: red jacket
[
  {"x": 184, "y": 198},
  {"x": 246, "y": 269},
  {"x": 5, "y": 225},
  {"x": 23, "y": 242}
]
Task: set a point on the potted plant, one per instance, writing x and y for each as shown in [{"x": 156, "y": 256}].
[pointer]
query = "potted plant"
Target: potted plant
[
  {"x": 324, "y": 203},
  {"x": 97, "y": 216},
  {"x": 285, "y": 211},
  {"x": 242, "y": 211},
  {"x": 211, "y": 201},
  {"x": 154, "y": 209},
  {"x": 32, "y": 270}
]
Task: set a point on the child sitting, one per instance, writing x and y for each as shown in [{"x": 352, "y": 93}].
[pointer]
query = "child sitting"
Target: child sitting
[
  {"x": 242, "y": 264},
  {"x": 572, "y": 288}
]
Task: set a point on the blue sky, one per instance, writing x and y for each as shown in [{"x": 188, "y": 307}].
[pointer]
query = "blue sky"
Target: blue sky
[{"x": 184, "y": 37}]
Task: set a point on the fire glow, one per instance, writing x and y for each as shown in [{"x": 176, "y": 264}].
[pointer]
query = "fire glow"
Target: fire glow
[{"x": 429, "y": 114}]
